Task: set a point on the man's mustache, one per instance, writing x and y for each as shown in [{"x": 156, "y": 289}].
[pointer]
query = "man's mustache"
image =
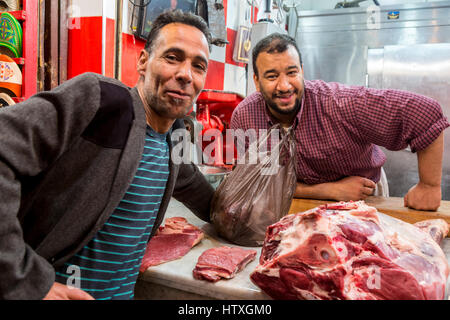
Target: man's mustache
[{"x": 280, "y": 94}]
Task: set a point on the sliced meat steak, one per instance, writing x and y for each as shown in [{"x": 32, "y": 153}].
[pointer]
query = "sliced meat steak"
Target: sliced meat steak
[
  {"x": 222, "y": 262},
  {"x": 171, "y": 242},
  {"x": 348, "y": 250}
]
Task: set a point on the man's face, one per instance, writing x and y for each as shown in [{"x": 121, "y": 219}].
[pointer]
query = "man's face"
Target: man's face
[
  {"x": 280, "y": 81},
  {"x": 174, "y": 73}
]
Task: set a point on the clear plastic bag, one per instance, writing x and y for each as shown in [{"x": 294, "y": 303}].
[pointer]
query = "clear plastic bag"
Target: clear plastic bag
[{"x": 256, "y": 195}]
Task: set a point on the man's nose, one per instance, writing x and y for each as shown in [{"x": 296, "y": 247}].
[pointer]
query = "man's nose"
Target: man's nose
[
  {"x": 184, "y": 72},
  {"x": 283, "y": 83}
]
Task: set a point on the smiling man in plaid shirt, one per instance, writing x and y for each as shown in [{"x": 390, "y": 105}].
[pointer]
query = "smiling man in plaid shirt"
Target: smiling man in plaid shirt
[{"x": 339, "y": 128}]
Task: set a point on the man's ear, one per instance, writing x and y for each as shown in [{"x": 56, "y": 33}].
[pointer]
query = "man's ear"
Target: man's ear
[
  {"x": 142, "y": 62},
  {"x": 255, "y": 80}
]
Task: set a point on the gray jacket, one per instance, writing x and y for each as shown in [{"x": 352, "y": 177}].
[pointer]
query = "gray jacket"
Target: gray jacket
[{"x": 67, "y": 157}]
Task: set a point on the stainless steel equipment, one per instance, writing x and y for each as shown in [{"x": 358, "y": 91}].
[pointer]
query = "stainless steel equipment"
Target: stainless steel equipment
[
  {"x": 214, "y": 175},
  {"x": 402, "y": 47},
  {"x": 350, "y": 4}
]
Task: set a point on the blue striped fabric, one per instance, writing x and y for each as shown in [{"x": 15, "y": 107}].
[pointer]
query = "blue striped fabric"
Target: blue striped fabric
[{"x": 109, "y": 264}]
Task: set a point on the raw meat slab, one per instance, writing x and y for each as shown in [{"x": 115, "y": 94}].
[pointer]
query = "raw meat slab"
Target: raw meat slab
[
  {"x": 222, "y": 262},
  {"x": 171, "y": 242},
  {"x": 349, "y": 250}
]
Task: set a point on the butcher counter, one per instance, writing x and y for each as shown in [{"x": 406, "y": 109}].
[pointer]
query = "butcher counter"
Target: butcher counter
[{"x": 173, "y": 280}]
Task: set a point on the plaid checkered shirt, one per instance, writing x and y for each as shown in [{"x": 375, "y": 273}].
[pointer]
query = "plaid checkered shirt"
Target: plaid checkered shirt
[{"x": 339, "y": 128}]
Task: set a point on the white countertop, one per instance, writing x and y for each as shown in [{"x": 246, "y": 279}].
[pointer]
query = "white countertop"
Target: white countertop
[{"x": 177, "y": 274}]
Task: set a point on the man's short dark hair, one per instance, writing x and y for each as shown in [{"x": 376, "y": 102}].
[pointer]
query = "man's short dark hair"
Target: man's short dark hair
[
  {"x": 273, "y": 43},
  {"x": 177, "y": 16}
]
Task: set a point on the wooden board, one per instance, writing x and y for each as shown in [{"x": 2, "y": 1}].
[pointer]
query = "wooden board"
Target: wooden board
[{"x": 391, "y": 206}]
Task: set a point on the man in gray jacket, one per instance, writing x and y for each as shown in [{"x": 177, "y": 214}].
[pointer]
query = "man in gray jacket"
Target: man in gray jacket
[{"x": 85, "y": 171}]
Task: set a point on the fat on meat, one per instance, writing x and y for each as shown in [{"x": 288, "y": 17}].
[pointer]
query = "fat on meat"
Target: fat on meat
[
  {"x": 349, "y": 250},
  {"x": 436, "y": 228},
  {"x": 172, "y": 241},
  {"x": 222, "y": 263}
]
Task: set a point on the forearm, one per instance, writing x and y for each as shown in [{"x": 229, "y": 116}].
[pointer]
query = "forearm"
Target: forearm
[
  {"x": 322, "y": 191},
  {"x": 194, "y": 191},
  {"x": 430, "y": 163},
  {"x": 348, "y": 188},
  {"x": 426, "y": 194}
]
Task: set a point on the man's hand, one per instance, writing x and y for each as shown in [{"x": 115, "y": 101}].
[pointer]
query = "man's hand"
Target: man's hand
[
  {"x": 352, "y": 188},
  {"x": 423, "y": 197},
  {"x": 349, "y": 188},
  {"x": 426, "y": 195},
  {"x": 62, "y": 292}
]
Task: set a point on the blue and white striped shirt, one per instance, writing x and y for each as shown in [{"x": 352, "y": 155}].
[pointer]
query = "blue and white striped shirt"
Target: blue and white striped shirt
[{"x": 108, "y": 266}]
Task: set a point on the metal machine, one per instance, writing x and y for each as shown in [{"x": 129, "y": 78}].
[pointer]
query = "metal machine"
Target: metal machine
[
  {"x": 351, "y": 4},
  {"x": 207, "y": 124},
  {"x": 401, "y": 47}
]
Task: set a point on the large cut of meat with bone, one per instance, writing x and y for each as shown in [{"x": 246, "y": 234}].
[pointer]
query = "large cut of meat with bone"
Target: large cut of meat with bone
[
  {"x": 171, "y": 242},
  {"x": 222, "y": 262},
  {"x": 348, "y": 250}
]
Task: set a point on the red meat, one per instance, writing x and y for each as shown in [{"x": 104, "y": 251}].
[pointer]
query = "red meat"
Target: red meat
[
  {"x": 222, "y": 262},
  {"x": 352, "y": 251},
  {"x": 171, "y": 242}
]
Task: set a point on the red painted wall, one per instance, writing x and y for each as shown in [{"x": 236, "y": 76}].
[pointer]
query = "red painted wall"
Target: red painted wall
[
  {"x": 85, "y": 47},
  {"x": 131, "y": 48},
  {"x": 215, "y": 75}
]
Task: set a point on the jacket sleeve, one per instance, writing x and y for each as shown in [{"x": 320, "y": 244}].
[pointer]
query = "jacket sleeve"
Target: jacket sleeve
[
  {"x": 191, "y": 187},
  {"x": 33, "y": 135}
]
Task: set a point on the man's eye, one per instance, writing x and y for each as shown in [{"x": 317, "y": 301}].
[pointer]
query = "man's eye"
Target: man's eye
[
  {"x": 171, "y": 58},
  {"x": 200, "y": 67}
]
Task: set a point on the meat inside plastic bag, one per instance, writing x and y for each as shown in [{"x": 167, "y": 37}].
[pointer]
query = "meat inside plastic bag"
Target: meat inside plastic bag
[{"x": 256, "y": 195}]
